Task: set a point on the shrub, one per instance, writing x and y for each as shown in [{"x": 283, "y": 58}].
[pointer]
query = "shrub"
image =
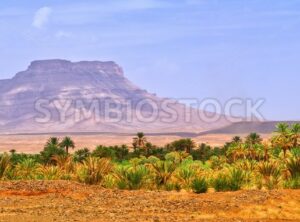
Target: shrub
[
  {"x": 185, "y": 175},
  {"x": 4, "y": 164},
  {"x": 81, "y": 155},
  {"x": 49, "y": 173},
  {"x": 132, "y": 178},
  {"x": 121, "y": 152},
  {"x": 270, "y": 175},
  {"x": 177, "y": 157},
  {"x": 293, "y": 183},
  {"x": 163, "y": 171},
  {"x": 104, "y": 152},
  {"x": 217, "y": 163},
  {"x": 93, "y": 170},
  {"x": 232, "y": 181},
  {"x": 236, "y": 179},
  {"x": 199, "y": 185},
  {"x": 26, "y": 169},
  {"x": 64, "y": 162},
  {"x": 109, "y": 181},
  {"x": 221, "y": 183},
  {"x": 293, "y": 167},
  {"x": 49, "y": 152}
]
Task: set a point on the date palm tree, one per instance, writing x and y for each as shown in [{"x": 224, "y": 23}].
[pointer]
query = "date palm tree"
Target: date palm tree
[
  {"x": 52, "y": 142},
  {"x": 295, "y": 130},
  {"x": 237, "y": 139},
  {"x": 266, "y": 148},
  {"x": 283, "y": 138},
  {"x": 67, "y": 143},
  {"x": 252, "y": 140},
  {"x": 183, "y": 145},
  {"x": 189, "y": 145},
  {"x": 237, "y": 151},
  {"x": 140, "y": 140}
]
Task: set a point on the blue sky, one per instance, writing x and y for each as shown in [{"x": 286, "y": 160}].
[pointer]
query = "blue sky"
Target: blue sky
[{"x": 181, "y": 49}]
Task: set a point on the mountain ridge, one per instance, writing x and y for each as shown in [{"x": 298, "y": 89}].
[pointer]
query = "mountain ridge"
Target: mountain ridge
[{"x": 64, "y": 80}]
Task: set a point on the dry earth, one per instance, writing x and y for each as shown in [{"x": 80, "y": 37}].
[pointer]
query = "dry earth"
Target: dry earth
[
  {"x": 69, "y": 201},
  {"x": 35, "y": 143}
]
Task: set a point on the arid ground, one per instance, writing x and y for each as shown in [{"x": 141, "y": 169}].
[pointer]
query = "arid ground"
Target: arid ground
[
  {"x": 70, "y": 201},
  {"x": 35, "y": 143}
]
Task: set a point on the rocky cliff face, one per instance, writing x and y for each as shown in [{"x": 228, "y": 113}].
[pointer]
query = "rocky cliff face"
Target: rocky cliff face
[{"x": 59, "y": 95}]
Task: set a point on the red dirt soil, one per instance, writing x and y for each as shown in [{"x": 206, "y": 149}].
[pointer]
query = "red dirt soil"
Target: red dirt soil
[{"x": 70, "y": 201}]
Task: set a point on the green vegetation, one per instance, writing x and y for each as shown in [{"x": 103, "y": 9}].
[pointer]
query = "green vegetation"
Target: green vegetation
[{"x": 249, "y": 163}]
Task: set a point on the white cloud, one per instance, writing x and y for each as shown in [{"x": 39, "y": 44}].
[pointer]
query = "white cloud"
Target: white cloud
[{"x": 41, "y": 17}]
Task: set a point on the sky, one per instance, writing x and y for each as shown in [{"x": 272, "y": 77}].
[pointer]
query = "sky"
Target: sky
[{"x": 178, "y": 48}]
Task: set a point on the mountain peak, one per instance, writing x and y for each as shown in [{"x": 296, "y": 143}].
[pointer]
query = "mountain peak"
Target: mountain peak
[
  {"x": 61, "y": 65},
  {"x": 92, "y": 89},
  {"x": 51, "y": 63}
]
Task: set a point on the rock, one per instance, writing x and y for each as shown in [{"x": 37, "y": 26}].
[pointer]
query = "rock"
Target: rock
[{"x": 52, "y": 83}]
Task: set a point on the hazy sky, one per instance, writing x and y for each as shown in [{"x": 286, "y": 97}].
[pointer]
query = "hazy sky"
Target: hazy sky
[{"x": 180, "y": 49}]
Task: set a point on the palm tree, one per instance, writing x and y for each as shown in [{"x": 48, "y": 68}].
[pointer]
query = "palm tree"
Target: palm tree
[
  {"x": 67, "y": 143},
  {"x": 237, "y": 139},
  {"x": 12, "y": 151},
  {"x": 266, "y": 148},
  {"x": 163, "y": 171},
  {"x": 236, "y": 151},
  {"x": 283, "y": 138},
  {"x": 148, "y": 147},
  {"x": 295, "y": 130},
  {"x": 134, "y": 145},
  {"x": 183, "y": 145},
  {"x": 189, "y": 145},
  {"x": 52, "y": 141},
  {"x": 252, "y": 140},
  {"x": 140, "y": 140}
]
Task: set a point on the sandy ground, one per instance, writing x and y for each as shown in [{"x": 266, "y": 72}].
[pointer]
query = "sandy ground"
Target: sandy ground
[
  {"x": 35, "y": 143},
  {"x": 70, "y": 201}
]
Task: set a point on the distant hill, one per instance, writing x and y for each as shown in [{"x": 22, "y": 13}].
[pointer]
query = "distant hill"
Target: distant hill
[{"x": 266, "y": 127}]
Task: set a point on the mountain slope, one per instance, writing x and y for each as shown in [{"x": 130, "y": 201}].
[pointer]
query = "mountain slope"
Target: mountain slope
[
  {"x": 88, "y": 93},
  {"x": 247, "y": 127}
]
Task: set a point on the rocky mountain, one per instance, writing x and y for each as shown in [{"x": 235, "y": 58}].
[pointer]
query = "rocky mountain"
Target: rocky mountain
[
  {"x": 266, "y": 127},
  {"x": 89, "y": 96}
]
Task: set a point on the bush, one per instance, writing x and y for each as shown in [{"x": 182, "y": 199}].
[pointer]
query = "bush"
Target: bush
[
  {"x": 163, "y": 171},
  {"x": 199, "y": 185},
  {"x": 26, "y": 169},
  {"x": 186, "y": 175},
  {"x": 81, "y": 155},
  {"x": 121, "y": 152},
  {"x": 173, "y": 186},
  {"x": 93, "y": 170},
  {"x": 132, "y": 178},
  {"x": 236, "y": 179},
  {"x": 221, "y": 183},
  {"x": 233, "y": 181},
  {"x": 293, "y": 167},
  {"x": 104, "y": 152},
  {"x": 270, "y": 174},
  {"x": 50, "y": 151},
  {"x": 293, "y": 183},
  {"x": 49, "y": 173},
  {"x": 4, "y": 164}
]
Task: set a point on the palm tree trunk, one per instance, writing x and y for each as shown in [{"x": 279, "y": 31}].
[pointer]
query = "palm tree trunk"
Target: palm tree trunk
[
  {"x": 284, "y": 152},
  {"x": 266, "y": 155}
]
